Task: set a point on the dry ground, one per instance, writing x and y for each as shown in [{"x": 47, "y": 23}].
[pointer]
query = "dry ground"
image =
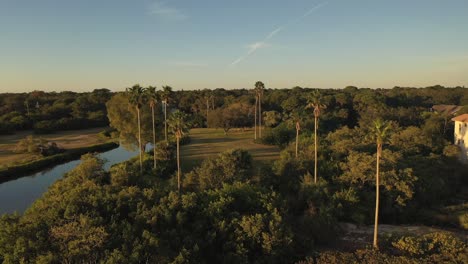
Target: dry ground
[
  {"x": 208, "y": 142},
  {"x": 65, "y": 139}
]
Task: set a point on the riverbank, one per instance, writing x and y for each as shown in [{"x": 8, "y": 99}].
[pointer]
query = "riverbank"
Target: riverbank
[
  {"x": 17, "y": 171},
  {"x": 70, "y": 139}
]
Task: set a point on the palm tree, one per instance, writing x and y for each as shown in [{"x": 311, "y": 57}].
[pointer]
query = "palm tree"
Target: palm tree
[
  {"x": 166, "y": 98},
  {"x": 136, "y": 98},
  {"x": 153, "y": 99},
  {"x": 255, "y": 115},
  {"x": 207, "y": 98},
  {"x": 298, "y": 128},
  {"x": 259, "y": 87},
  {"x": 315, "y": 103},
  {"x": 179, "y": 126},
  {"x": 379, "y": 132}
]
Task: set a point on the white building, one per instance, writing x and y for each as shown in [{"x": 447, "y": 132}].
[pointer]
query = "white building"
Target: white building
[{"x": 461, "y": 135}]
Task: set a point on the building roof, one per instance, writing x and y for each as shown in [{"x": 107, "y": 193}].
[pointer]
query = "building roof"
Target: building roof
[
  {"x": 447, "y": 109},
  {"x": 461, "y": 118}
]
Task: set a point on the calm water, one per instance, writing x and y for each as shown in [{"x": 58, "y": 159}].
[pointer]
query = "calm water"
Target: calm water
[{"x": 17, "y": 195}]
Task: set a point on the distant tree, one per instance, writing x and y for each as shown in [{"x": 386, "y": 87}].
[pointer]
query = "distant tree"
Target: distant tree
[
  {"x": 153, "y": 98},
  {"x": 272, "y": 118},
  {"x": 122, "y": 116},
  {"x": 179, "y": 126},
  {"x": 137, "y": 98},
  {"x": 166, "y": 96},
  {"x": 315, "y": 102},
  {"x": 256, "y": 112},
  {"x": 259, "y": 88},
  {"x": 235, "y": 115},
  {"x": 207, "y": 97}
]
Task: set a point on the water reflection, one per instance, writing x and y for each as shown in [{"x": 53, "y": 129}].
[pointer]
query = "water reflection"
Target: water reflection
[{"x": 19, "y": 194}]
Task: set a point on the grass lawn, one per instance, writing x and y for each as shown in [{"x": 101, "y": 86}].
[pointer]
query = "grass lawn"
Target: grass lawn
[
  {"x": 208, "y": 142},
  {"x": 65, "y": 139}
]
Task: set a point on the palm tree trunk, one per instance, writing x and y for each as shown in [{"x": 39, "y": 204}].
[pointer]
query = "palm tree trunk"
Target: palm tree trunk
[
  {"x": 139, "y": 140},
  {"x": 165, "y": 120},
  {"x": 297, "y": 139},
  {"x": 154, "y": 139},
  {"x": 178, "y": 164},
  {"x": 207, "y": 109},
  {"x": 377, "y": 194},
  {"x": 260, "y": 116},
  {"x": 315, "y": 154},
  {"x": 255, "y": 125}
]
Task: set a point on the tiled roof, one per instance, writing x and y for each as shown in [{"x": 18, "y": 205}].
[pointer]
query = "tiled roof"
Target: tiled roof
[{"x": 461, "y": 118}]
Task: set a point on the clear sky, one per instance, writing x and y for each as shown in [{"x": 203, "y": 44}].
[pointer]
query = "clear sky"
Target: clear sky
[{"x": 80, "y": 45}]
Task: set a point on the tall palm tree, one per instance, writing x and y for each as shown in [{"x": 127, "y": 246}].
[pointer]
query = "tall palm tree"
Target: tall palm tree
[
  {"x": 166, "y": 98},
  {"x": 153, "y": 98},
  {"x": 380, "y": 133},
  {"x": 259, "y": 88},
  {"x": 254, "y": 91},
  {"x": 298, "y": 128},
  {"x": 207, "y": 97},
  {"x": 136, "y": 98},
  {"x": 179, "y": 126},
  {"x": 315, "y": 102}
]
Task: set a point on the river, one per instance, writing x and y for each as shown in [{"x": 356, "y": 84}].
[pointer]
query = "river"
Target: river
[{"x": 17, "y": 195}]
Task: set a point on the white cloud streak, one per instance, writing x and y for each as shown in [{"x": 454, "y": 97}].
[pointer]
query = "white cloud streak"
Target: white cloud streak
[
  {"x": 163, "y": 11},
  {"x": 252, "y": 48}
]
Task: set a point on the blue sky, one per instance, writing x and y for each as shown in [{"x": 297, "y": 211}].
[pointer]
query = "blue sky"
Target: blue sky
[{"x": 55, "y": 45}]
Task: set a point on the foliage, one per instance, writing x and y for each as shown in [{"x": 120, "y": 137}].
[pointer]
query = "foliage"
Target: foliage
[
  {"x": 234, "y": 115},
  {"x": 123, "y": 117},
  {"x": 434, "y": 243},
  {"x": 228, "y": 167},
  {"x": 230, "y": 212},
  {"x": 280, "y": 135}
]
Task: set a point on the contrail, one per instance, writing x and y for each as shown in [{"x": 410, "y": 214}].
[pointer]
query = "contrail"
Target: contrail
[{"x": 261, "y": 44}]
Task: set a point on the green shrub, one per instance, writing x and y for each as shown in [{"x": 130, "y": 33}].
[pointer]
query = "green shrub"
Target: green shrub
[
  {"x": 279, "y": 136},
  {"x": 227, "y": 167},
  {"x": 463, "y": 220},
  {"x": 434, "y": 243}
]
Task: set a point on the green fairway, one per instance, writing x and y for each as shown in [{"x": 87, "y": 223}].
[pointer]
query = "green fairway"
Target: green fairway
[{"x": 208, "y": 142}]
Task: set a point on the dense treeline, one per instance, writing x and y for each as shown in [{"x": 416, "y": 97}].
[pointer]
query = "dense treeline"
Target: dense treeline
[
  {"x": 48, "y": 112},
  {"x": 232, "y": 210}
]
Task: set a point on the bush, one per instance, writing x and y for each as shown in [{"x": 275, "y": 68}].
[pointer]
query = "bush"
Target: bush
[
  {"x": 227, "y": 167},
  {"x": 463, "y": 220},
  {"x": 279, "y": 136},
  {"x": 434, "y": 243},
  {"x": 44, "y": 127}
]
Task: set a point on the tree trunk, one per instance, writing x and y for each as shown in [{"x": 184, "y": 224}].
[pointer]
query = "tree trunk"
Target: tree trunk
[
  {"x": 27, "y": 107},
  {"x": 165, "y": 120},
  {"x": 297, "y": 139},
  {"x": 377, "y": 195},
  {"x": 315, "y": 154},
  {"x": 260, "y": 116},
  {"x": 139, "y": 140},
  {"x": 255, "y": 125},
  {"x": 207, "y": 109},
  {"x": 178, "y": 164},
  {"x": 154, "y": 138}
]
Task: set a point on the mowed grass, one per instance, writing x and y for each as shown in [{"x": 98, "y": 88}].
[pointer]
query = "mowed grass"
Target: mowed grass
[
  {"x": 65, "y": 139},
  {"x": 208, "y": 142}
]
